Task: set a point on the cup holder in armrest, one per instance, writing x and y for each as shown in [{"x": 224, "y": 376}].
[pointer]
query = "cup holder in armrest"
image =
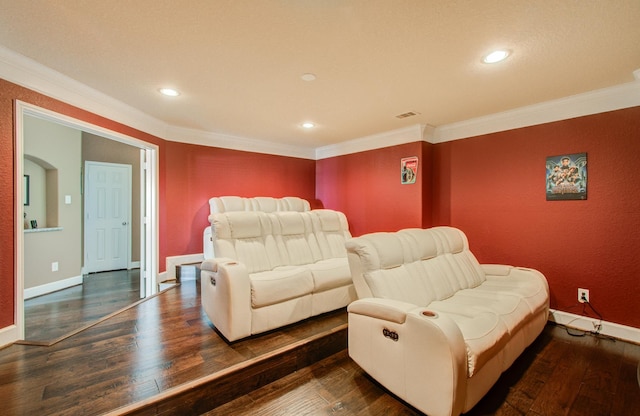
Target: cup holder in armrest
[{"x": 429, "y": 314}]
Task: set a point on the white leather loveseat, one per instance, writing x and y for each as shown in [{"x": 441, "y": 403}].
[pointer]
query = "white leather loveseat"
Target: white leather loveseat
[
  {"x": 273, "y": 269},
  {"x": 220, "y": 204},
  {"x": 433, "y": 325}
]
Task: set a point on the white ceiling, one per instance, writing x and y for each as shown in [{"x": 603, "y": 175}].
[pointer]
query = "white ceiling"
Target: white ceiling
[{"x": 238, "y": 64}]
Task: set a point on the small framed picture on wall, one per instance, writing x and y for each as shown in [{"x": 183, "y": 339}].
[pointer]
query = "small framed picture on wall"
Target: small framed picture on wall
[
  {"x": 25, "y": 190},
  {"x": 567, "y": 177},
  {"x": 408, "y": 170}
]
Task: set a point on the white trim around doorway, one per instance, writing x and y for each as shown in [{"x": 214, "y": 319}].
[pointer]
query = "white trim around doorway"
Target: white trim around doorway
[{"x": 150, "y": 214}]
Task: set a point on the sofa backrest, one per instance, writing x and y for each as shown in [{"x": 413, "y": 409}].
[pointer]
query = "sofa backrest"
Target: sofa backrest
[
  {"x": 413, "y": 265},
  {"x": 332, "y": 231},
  {"x": 220, "y": 204},
  {"x": 264, "y": 241},
  {"x": 260, "y": 203}
]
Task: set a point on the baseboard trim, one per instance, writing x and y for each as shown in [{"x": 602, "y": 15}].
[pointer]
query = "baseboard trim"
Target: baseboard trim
[
  {"x": 8, "y": 335},
  {"x": 586, "y": 323},
  {"x": 32, "y": 292},
  {"x": 174, "y": 261}
]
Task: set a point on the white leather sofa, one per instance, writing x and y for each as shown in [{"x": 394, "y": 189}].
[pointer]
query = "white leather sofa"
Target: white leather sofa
[
  {"x": 273, "y": 269},
  {"x": 259, "y": 203},
  {"x": 433, "y": 325}
]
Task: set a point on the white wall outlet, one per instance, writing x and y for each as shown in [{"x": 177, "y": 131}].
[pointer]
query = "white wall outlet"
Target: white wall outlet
[
  {"x": 54, "y": 266},
  {"x": 67, "y": 199},
  {"x": 583, "y": 295}
]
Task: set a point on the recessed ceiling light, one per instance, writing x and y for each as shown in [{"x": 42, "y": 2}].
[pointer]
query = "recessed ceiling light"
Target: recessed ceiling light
[
  {"x": 495, "y": 56},
  {"x": 308, "y": 125},
  {"x": 169, "y": 92},
  {"x": 308, "y": 77}
]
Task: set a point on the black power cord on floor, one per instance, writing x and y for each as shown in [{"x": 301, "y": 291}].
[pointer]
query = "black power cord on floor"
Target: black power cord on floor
[{"x": 597, "y": 327}]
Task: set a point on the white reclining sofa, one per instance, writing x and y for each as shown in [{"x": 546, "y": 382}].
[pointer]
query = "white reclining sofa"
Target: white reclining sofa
[
  {"x": 273, "y": 269},
  {"x": 220, "y": 204},
  {"x": 433, "y": 325}
]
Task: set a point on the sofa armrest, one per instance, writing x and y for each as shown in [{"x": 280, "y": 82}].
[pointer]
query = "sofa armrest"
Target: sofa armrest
[
  {"x": 419, "y": 355},
  {"x": 212, "y": 264},
  {"x": 504, "y": 271},
  {"x": 226, "y": 296},
  {"x": 382, "y": 309},
  {"x": 496, "y": 269}
]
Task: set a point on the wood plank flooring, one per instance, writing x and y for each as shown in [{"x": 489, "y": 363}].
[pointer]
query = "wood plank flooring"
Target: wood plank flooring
[
  {"x": 163, "y": 357},
  {"x": 557, "y": 375},
  {"x": 158, "y": 346},
  {"x": 52, "y": 316}
]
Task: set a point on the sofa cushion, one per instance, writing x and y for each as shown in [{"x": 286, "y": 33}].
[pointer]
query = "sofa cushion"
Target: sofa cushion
[
  {"x": 293, "y": 203},
  {"x": 259, "y": 203},
  {"x": 510, "y": 308},
  {"x": 421, "y": 245},
  {"x": 484, "y": 334},
  {"x": 378, "y": 251},
  {"x": 264, "y": 204},
  {"x": 294, "y": 233},
  {"x": 401, "y": 283},
  {"x": 532, "y": 291},
  {"x": 227, "y": 203},
  {"x": 330, "y": 274},
  {"x": 331, "y": 230},
  {"x": 281, "y": 284},
  {"x": 465, "y": 270},
  {"x": 247, "y": 237}
]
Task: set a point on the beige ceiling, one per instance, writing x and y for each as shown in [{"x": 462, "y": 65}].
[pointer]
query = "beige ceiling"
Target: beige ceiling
[{"x": 239, "y": 63}]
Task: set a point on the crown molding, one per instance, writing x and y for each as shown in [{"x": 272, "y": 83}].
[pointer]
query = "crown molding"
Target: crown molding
[
  {"x": 193, "y": 136},
  {"x": 413, "y": 133},
  {"x": 30, "y": 74},
  {"x": 592, "y": 102}
]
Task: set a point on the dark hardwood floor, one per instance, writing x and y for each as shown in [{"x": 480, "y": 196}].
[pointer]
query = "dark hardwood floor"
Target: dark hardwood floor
[
  {"x": 557, "y": 375},
  {"x": 162, "y": 356},
  {"x": 52, "y": 316}
]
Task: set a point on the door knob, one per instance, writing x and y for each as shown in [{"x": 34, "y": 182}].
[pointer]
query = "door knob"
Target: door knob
[{"x": 124, "y": 223}]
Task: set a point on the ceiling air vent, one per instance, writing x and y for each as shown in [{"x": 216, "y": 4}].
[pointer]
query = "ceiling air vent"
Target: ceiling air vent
[{"x": 407, "y": 114}]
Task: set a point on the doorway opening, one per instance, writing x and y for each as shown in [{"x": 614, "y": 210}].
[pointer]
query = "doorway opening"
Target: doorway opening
[{"x": 146, "y": 218}]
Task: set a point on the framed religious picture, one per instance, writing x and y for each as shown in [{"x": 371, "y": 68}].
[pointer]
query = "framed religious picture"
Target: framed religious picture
[
  {"x": 408, "y": 170},
  {"x": 567, "y": 177}
]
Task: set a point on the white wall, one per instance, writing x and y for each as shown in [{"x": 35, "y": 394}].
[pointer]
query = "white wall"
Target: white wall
[{"x": 60, "y": 147}]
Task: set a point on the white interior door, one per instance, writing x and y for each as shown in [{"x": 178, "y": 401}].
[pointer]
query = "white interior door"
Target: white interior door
[{"x": 107, "y": 222}]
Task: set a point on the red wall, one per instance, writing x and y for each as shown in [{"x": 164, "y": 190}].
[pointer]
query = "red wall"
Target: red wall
[
  {"x": 493, "y": 188},
  {"x": 197, "y": 173},
  {"x": 8, "y": 93},
  {"x": 490, "y": 186},
  {"x": 188, "y": 176},
  {"x": 366, "y": 187}
]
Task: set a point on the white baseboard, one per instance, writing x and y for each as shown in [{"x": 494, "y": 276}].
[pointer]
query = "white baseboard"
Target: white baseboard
[
  {"x": 32, "y": 292},
  {"x": 173, "y": 261},
  {"x": 134, "y": 265},
  {"x": 9, "y": 335},
  {"x": 586, "y": 323}
]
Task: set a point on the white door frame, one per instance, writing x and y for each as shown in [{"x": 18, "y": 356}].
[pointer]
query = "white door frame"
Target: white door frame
[{"x": 149, "y": 220}]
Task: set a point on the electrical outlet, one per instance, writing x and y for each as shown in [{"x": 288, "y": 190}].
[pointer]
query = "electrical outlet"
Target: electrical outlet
[
  {"x": 54, "y": 266},
  {"x": 583, "y": 295}
]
